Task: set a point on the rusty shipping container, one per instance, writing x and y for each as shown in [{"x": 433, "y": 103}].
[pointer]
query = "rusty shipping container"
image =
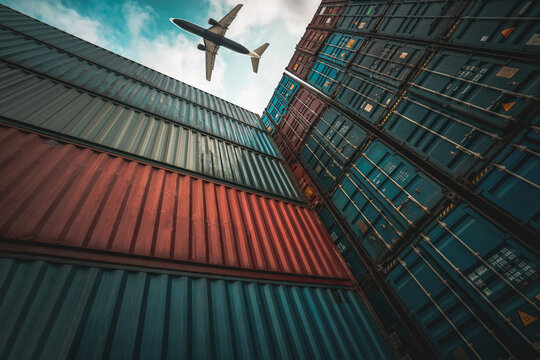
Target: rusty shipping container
[
  {"x": 301, "y": 64},
  {"x": 62, "y": 199}
]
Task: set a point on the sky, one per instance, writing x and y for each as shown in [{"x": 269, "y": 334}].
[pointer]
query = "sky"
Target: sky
[{"x": 140, "y": 30}]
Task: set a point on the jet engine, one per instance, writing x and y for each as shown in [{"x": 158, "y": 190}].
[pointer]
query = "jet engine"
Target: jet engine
[
  {"x": 201, "y": 47},
  {"x": 212, "y": 22}
]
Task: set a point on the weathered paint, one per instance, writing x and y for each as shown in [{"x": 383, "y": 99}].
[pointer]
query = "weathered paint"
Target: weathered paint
[
  {"x": 67, "y": 42},
  {"x": 64, "y": 311},
  {"x": 57, "y": 194},
  {"x": 465, "y": 281},
  {"x": 312, "y": 40},
  {"x": 114, "y": 86},
  {"x": 362, "y": 17},
  {"x": 42, "y": 103},
  {"x": 301, "y": 64}
]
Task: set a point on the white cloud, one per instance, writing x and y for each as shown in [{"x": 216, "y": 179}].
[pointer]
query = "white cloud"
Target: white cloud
[{"x": 175, "y": 53}]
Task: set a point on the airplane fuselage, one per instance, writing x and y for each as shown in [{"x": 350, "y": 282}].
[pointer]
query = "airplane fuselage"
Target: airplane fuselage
[{"x": 210, "y": 36}]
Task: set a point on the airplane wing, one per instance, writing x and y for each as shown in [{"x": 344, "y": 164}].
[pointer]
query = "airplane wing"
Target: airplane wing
[
  {"x": 223, "y": 25},
  {"x": 211, "y": 52}
]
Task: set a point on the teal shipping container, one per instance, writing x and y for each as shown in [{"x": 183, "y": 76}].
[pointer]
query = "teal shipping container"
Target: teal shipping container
[
  {"x": 50, "y": 309},
  {"x": 330, "y": 147},
  {"x": 340, "y": 48},
  {"x": 458, "y": 110},
  {"x": 325, "y": 76},
  {"x": 512, "y": 180},
  {"x": 382, "y": 196},
  {"x": 97, "y": 122},
  {"x": 362, "y": 16},
  {"x": 472, "y": 288}
]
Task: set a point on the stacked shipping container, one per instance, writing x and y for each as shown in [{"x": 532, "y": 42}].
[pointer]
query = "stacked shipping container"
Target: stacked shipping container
[
  {"x": 425, "y": 160},
  {"x": 141, "y": 217}
]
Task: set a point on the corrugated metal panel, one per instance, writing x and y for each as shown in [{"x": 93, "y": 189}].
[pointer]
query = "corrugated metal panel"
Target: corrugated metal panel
[
  {"x": 69, "y": 112},
  {"x": 340, "y": 48},
  {"x": 312, "y": 40},
  {"x": 330, "y": 146},
  {"x": 283, "y": 148},
  {"x": 459, "y": 107},
  {"x": 51, "y": 310},
  {"x": 304, "y": 110},
  {"x": 327, "y": 15},
  {"x": 268, "y": 123},
  {"x": 419, "y": 19},
  {"x": 286, "y": 89},
  {"x": 514, "y": 180},
  {"x": 388, "y": 61},
  {"x": 27, "y": 53},
  {"x": 326, "y": 77},
  {"x": 58, "y": 194},
  {"x": 308, "y": 187},
  {"x": 70, "y": 43},
  {"x": 276, "y": 109},
  {"x": 343, "y": 244},
  {"x": 466, "y": 281},
  {"x": 382, "y": 196},
  {"x": 300, "y": 64},
  {"x": 500, "y": 24},
  {"x": 362, "y": 17}
]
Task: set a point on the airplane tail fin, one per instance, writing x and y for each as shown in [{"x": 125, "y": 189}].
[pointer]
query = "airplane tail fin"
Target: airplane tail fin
[{"x": 255, "y": 60}]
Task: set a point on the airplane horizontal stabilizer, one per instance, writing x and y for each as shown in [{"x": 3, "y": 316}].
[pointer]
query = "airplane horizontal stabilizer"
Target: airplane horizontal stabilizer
[{"x": 255, "y": 60}]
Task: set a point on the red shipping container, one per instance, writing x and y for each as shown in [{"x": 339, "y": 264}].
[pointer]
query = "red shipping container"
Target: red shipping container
[
  {"x": 301, "y": 64},
  {"x": 283, "y": 148},
  {"x": 308, "y": 187},
  {"x": 312, "y": 40},
  {"x": 65, "y": 200},
  {"x": 303, "y": 112},
  {"x": 327, "y": 15}
]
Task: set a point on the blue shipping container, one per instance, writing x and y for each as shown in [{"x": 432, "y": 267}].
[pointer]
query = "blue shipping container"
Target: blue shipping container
[
  {"x": 268, "y": 123},
  {"x": 331, "y": 144},
  {"x": 59, "y": 311},
  {"x": 501, "y": 25},
  {"x": 456, "y": 111},
  {"x": 286, "y": 89},
  {"x": 382, "y": 196},
  {"x": 471, "y": 288},
  {"x": 276, "y": 109},
  {"x": 325, "y": 77},
  {"x": 514, "y": 180},
  {"x": 340, "y": 48}
]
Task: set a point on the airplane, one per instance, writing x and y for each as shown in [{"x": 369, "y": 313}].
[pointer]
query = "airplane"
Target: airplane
[{"x": 214, "y": 37}]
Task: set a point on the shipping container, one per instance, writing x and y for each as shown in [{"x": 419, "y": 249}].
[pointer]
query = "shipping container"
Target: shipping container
[
  {"x": 306, "y": 185},
  {"x": 340, "y": 48},
  {"x": 513, "y": 179},
  {"x": 382, "y": 196},
  {"x": 52, "y": 37},
  {"x": 301, "y": 64},
  {"x": 471, "y": 288},
  {"x": 362, "y": 17},
  {"x": 276, "y": 109},
  {"x": 286, "y": 89},
  {"x": 327, "y": 15},
  {"x": 312, "y": 40},
  {"x": 388, "y": 62},
  {"x": 89, "y": 118},
  {"x": 460, "y": 106},
  {"x": 60, "y": 196},
  {"x": 419, "y": 19},
  {"x": 501, "y": 25},
  {"x": 304, "y": 110},
  {"x": 94, "y": 79},
  {"x": 326, "y": 77},
  {"x": 357, "y": 267},
  {"x": 268, "y": 123},
  {"x": 70, "y": 311},
  {"x": 330, "y": 147},
  {"x": 283, "y": 148}
]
